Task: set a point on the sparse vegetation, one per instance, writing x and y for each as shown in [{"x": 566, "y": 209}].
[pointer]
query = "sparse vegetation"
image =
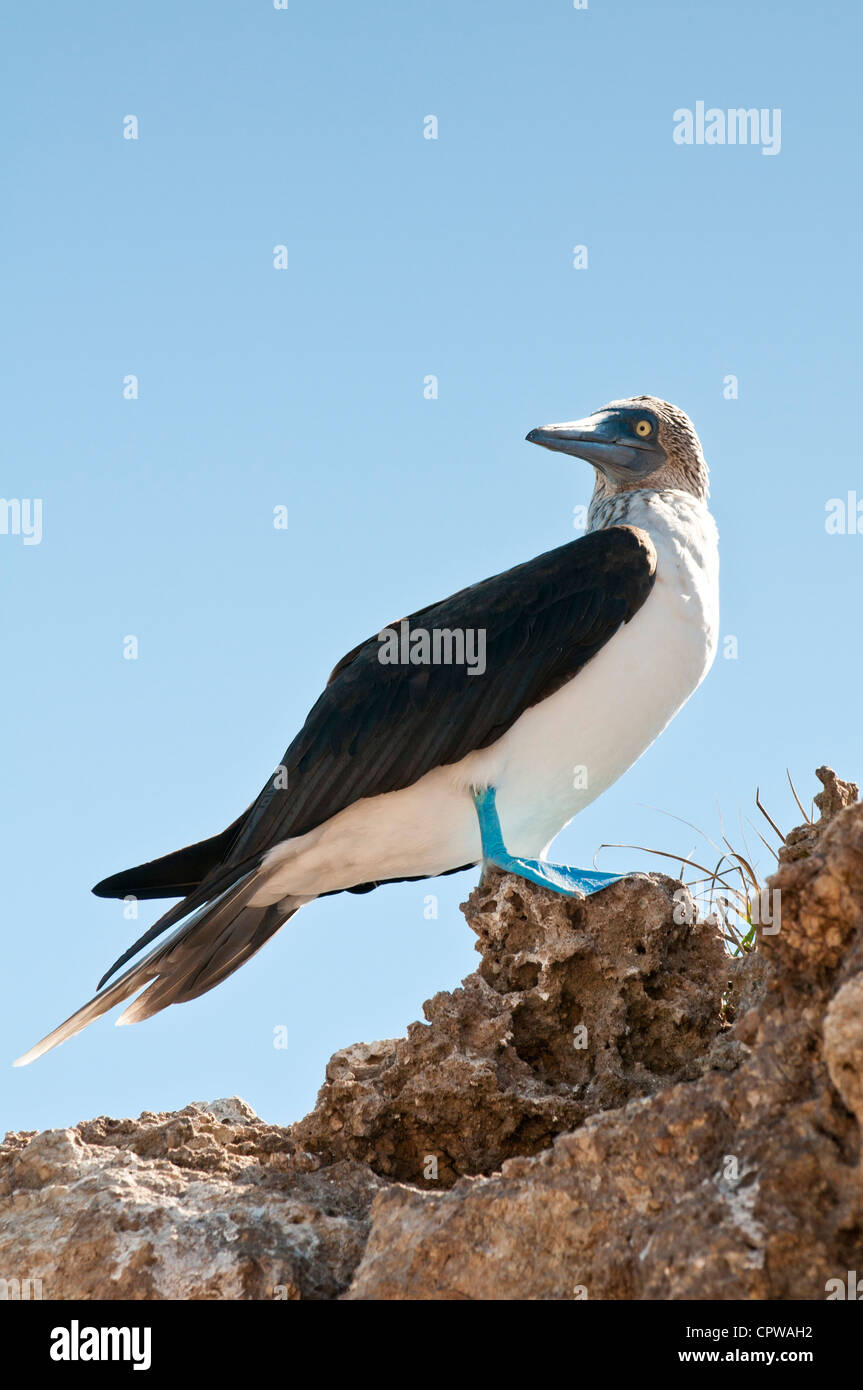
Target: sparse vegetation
[{"x": 733, "y": 891}]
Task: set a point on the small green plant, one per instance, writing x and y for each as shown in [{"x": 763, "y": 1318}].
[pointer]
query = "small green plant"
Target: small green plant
[{"x": 732, "y": 891}]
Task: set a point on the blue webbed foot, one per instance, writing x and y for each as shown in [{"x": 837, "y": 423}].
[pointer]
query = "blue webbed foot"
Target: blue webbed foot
[{"x": 574, "y": 883}]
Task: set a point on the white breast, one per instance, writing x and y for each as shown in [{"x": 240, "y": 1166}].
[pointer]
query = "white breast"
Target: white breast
[
  {"x": 558, "y": 756},
  {"x": 577, "y": 743}
]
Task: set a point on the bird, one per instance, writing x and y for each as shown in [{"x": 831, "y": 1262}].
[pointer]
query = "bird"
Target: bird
[{"x": 551, "y": 679}]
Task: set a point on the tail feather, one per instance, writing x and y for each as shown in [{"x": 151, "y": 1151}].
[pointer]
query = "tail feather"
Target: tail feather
[
  {"x": 214, "y": 942},
  {"x": 174, "y": 875},
  {"x": 201, "y": 970},
  {"x": 198, "y": 902}
]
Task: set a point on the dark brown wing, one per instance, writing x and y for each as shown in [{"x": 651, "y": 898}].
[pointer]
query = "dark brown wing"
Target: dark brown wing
[{"x": 379, "y": 727}]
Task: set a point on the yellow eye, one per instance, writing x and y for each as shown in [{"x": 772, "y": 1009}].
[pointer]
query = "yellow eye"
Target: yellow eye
[{"x": 643, "y": 428}]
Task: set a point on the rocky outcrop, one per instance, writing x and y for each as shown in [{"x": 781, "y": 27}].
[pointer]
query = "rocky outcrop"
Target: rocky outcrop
[
  {"x": 610, "y": 1107},
  {"x": 577, "y": 1007},
  {"x": 201, "y": 1204}
]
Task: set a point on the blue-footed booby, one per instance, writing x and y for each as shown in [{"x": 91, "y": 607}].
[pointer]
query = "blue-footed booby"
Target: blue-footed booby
[{"x": 424, "y": 762}]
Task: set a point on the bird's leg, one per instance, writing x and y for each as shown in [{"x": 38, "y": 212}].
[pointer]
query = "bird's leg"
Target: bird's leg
[{"x": 574, "y": 883}]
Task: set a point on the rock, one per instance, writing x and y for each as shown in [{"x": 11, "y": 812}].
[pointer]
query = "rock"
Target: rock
[
  {"x": 743, "y": 1184},
  {"x": 200, "y": 1204},
  {"x": 609, "y": 1107},
  {"x": 232, "y": 1110},
  {"x": 834, "y": 797},
  {"x": 836, "y": 794},
  {"x": 843, "y": 1044},
  {"x": 577, "y": 1007}
]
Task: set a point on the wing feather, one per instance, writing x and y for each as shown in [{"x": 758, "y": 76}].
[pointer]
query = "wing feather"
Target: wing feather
[{"x": 377, "y": 728}]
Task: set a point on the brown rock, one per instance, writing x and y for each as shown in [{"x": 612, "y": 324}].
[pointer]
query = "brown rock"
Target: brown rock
[
  {"x": 203, "y": 1204},
  {"x": 576, "y": 1007},
  {"x": 836, "y": 794},
  {"x": 743, "y": 1184},
  {"x": 577, "y": 1120}
]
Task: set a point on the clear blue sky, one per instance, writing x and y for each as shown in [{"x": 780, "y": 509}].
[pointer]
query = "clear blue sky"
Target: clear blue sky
[{"x": 304, "y": 388}]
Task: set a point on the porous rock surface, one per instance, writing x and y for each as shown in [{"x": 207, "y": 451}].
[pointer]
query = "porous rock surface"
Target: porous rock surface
[{"x": 610, "y": 1107}]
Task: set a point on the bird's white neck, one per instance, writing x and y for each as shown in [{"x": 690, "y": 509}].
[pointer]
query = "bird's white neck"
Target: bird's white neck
[
  {"x": 640, "y": 506},
  {"x": 687, "y": 547}
]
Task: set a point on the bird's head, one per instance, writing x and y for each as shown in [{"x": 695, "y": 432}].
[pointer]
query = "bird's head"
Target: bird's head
[{"x": 642, "y": 442}]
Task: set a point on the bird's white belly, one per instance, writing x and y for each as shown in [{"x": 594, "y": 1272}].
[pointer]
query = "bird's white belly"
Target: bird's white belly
[
  {"x": 557, "y": 758},
  {"x": 565, "y": 752}
]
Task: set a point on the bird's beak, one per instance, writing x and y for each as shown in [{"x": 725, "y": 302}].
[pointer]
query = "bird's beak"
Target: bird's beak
[{"x": 596, "y": 440}]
